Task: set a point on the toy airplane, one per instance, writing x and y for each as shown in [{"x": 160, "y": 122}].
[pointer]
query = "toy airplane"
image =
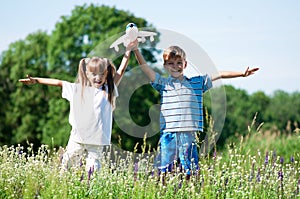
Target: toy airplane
[{"x": 132, "y": 33}]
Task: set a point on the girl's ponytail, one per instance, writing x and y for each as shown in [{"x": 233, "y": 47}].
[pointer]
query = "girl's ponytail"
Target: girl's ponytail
[
  {"x": 81, "y": 76},
  {"x": 110, "y": 81}
]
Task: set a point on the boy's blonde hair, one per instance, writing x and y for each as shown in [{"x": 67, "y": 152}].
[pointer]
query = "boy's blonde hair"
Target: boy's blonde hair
[{"x": 172, "y": 52}]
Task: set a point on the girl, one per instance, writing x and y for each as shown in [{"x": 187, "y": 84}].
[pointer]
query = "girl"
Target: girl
[{"x": 92, "y": 100}]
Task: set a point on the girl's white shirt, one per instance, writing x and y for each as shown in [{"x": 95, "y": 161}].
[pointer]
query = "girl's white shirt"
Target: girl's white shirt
[{"x": 90, "y": 113}]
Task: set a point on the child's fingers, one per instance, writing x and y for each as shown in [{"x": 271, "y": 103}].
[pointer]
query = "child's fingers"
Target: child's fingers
[
  {"x": 246, "y": 72},
  {"x": 24, "y": 81},
  {"x": 27, "y": 80}
]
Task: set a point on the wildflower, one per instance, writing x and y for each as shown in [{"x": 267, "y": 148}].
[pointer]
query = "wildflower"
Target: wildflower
[
  {"x": 267, "y": 158},
  {"x": 90, "y": 172},
  {"x": 80, "y": 163},
  {"x": 251, "y": 173},
  {"x": 81, "y": 178},
  {"x": 292, "y": 159},
  {"x": 226, "y": 181},
  {"x": 274, "y": 157},
  {"x": 281, "y": 160},
  {"x": 20, "y": 152},
  {"x": 280, "y": 175},
  {"x": 258, "y": 175},
  {"x": 136, "y": 169},
  {"x": 274, "y": 153},
  {"x": 152, "y": 172}
]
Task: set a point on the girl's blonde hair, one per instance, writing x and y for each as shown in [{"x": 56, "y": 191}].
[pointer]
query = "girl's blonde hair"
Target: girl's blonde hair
[
  {"x": 103, "y": 64},
  {"x": 172, "y": 52}
]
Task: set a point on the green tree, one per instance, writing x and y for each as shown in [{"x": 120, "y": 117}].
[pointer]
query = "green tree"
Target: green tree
[
  {"x": 237, "y": 113},
  {"x": 283, "y": 111},
  {"x": 23, "y": 105},
  {"x": 259, "y": 102}
]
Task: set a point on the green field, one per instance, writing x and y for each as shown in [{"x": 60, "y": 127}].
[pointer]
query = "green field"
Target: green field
[{"x": 261, "y": 165}]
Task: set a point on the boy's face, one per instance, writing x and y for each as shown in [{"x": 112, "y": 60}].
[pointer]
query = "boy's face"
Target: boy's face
[{"x": 175, "y": 66}]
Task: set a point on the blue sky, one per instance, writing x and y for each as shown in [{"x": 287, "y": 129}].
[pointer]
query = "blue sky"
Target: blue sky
[{"x": 234, "y": 34}]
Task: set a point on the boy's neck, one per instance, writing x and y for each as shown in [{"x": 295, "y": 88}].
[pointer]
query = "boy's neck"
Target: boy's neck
[{"x": 180, "y": 78}]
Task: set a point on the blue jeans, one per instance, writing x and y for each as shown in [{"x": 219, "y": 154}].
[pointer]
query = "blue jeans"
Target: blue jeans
[{"x": 175, "y": 146}]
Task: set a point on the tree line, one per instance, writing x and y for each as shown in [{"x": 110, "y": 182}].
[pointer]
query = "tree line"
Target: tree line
[{"x": 37, "y": 114}]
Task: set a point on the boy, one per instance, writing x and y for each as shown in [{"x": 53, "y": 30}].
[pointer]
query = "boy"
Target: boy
[{"x": 181, "y": 108}]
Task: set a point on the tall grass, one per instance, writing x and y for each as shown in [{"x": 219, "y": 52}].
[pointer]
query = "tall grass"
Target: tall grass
[{"x": 237, "y": 172}]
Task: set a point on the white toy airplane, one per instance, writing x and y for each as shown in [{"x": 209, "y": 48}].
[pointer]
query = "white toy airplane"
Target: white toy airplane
[{"x": 132, "y": 33}]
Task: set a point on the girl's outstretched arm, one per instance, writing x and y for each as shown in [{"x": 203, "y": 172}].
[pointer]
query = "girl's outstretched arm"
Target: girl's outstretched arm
[
  {"x": 233, "y": 74},
  {"x": 121, "y": 70},
  {"x": 131, "y": 47},
  {"x": 39, "y": 80}
]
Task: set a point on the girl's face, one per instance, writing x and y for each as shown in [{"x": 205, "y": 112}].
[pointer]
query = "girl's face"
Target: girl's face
[
  {"x": 97, "y": 75},
  {"x": 175, "y": 66}
]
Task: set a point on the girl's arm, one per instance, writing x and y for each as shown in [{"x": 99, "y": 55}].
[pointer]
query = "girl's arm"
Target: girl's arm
[
  {"x": 233, "y": 74},
  {"x": 39, "y": 80},
  {"x": 144, "y": 66},
  {"x": 121, "y": 70}
]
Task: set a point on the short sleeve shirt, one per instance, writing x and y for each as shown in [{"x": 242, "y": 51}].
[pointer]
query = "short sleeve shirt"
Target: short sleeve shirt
[
  {"x": 181, "y": 102},
  {"x": 90, "y": 113}
]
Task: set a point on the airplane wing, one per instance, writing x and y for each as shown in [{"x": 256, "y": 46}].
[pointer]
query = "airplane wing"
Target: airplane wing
[
  {"x": 143, "y": 34},
  {"x": 146, "y": 34},
  {"x": 115, "y": 44}
]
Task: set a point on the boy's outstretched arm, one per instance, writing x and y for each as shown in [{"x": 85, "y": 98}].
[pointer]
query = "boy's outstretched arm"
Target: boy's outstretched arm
[
  {"x": 39, "y": 80},
  {"x": 144, "y": 66},
  {"x": 233, "y": 74}
]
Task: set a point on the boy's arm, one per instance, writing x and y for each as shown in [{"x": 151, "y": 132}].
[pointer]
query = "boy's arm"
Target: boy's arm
[
  {"x": 39, "y": 80},
  {"x": 233, "y": 74},
  {"x": 144, "y": 66}
]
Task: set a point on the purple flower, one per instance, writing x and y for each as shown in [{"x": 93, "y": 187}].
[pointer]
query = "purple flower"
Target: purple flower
[
  {"x": 292, "y": 159},
  {"x": 274, "y": 154},
  {"x": 226, "y": 181},
  {"x": 281, "y": 160},
  {"x": 267, "y": 158},
  {"x": 91, "y": 170},
  {"x": 258, "y": 175},
  {"x": 136, "y": 167}
]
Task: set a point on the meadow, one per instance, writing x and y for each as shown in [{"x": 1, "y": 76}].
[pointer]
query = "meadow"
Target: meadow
[{"x": 259, "y": 165}]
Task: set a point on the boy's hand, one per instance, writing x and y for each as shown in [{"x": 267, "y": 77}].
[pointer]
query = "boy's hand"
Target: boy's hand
[
  {"x": 250, "y": 71},
  {"x": 133, "y": 45},
  {"x": 28, "y": 80}
]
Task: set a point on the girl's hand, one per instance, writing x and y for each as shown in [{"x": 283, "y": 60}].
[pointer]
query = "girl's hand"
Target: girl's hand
[
  {"x": 133, "y": 45},
  {"x": 28, "y": 80},
  {"x": 250, "y": 71}
]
